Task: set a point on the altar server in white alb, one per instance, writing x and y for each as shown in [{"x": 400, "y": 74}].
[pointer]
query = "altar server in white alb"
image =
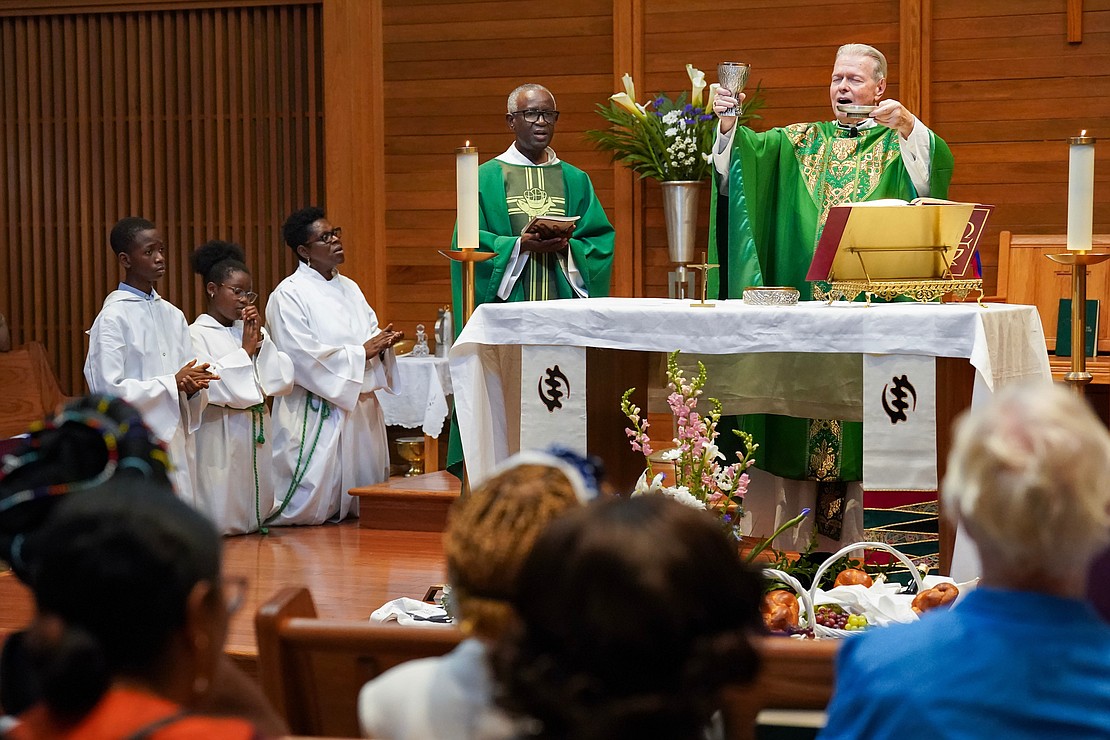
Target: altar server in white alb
[
  {"x": 329, "y": 433},
  {"x": 234, "y": 450},
  {"x": 140, "y": 350}
]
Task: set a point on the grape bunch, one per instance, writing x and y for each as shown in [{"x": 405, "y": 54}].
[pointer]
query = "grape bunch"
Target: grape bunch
[{"x": 834, "y": 617}]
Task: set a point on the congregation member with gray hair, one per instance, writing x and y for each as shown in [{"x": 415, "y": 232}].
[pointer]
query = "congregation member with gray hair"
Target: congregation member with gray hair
[{"x": 1024, "y": 655}]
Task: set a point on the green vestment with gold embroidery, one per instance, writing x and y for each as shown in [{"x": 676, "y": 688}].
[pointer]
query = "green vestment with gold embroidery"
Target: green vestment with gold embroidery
[
  {"x": 782, "y": 184},
  {"x": 509, "y": 196}
]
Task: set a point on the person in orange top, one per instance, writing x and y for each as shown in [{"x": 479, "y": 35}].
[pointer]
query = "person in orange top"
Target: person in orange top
[{"x": 131, "y": 617}]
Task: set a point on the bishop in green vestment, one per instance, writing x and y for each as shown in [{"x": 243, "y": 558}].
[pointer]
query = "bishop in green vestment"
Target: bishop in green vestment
[
  {"x": 529, "y": 180},
  {"x": 772, "y": 194}
]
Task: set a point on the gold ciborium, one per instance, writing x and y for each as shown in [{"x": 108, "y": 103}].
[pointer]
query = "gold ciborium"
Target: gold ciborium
[{"x": 411, "y": 450}]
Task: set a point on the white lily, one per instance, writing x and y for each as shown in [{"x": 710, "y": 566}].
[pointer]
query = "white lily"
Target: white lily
[
  {"x": 711, "y": 97},
  {"x": 697, "y": 83},
  {"x": 712, "y": 452},
  {"x": 624, "y": 101},
  {"x": 643, "y": 487},
  {"x": 629, "y": 86},
  {"x": 672, "y": 454}
]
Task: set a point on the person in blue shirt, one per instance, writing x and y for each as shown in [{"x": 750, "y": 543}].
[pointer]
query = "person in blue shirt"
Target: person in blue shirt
[{"x": 1024, "y": 655}]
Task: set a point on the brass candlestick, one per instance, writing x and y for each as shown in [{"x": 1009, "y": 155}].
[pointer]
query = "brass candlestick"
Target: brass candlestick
[
  {"x": 1079, "y": 260},
  {"x": 705, "y": 267},
  {"x": 468, "y": 257}
]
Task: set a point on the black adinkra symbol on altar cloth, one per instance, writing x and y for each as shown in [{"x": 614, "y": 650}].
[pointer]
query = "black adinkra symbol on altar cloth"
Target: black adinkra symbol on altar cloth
[
  {"x": 896, "y": 409},
  {"x": 553, "y": 379}
]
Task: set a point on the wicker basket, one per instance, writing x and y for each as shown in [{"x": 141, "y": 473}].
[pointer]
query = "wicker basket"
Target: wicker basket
[
  {"x": 811, "y": 596},
  {"x": 805, "y": 601}
]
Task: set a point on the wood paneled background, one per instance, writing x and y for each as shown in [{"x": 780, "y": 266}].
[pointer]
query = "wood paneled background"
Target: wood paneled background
[
  {"x": 215, "y": 119},
  {"x": 205, "y": 121}
]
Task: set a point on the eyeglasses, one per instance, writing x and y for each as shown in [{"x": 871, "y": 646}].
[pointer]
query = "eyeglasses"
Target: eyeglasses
[
  {"x": 328, "y": 237},
  {"x": 533, "y": 116},
  {"x": 250, "y": 295},
  {"x": 234, "y": 592}
]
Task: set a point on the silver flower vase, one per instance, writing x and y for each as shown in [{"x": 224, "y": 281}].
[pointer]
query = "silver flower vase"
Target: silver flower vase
[{"x": 680, "y": 210}]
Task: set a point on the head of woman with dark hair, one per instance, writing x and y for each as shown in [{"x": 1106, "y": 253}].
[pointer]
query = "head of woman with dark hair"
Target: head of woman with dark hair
[
  {"x": 131, "y": 612},
  {"x": 634, "y": 613}
]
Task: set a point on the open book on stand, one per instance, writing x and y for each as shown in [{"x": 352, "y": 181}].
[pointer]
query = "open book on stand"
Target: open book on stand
[{"x": 955, "y": 226}]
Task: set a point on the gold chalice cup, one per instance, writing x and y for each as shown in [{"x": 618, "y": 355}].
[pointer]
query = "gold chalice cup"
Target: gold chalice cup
[{"x": 411, "y": 450}]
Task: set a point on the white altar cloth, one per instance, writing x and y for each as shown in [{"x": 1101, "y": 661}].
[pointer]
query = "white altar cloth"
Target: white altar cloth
[
  {"x": 1004, "y": 343},
  {"x": 421, "y": 400}
]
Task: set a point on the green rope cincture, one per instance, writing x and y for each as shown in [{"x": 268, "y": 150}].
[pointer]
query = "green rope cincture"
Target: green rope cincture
[{"x": 324, "y": 411}]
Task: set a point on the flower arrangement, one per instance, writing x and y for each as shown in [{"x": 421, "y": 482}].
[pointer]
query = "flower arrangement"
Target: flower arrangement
[
  {"x": 664, "y": 139},
  {"x": 701, "y": 481}
]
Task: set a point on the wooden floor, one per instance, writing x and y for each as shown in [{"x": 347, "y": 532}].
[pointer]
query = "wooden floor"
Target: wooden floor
[{"x": 351, "y": 571}]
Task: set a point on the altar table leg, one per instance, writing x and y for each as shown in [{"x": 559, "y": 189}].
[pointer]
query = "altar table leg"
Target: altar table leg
[
  {"x": 955, "y": 382},
  {"x": 431, "y": 453}
]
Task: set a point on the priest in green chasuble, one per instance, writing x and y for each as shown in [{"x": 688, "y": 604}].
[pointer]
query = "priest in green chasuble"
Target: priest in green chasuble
[
  {"x": 772, "y": 193},
  {"x": 530, "y": 180},
  {"x": 526, "y": 181}
]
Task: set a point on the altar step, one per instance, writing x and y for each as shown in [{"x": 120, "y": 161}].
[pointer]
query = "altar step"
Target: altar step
[{"x": 416, "y": 504}]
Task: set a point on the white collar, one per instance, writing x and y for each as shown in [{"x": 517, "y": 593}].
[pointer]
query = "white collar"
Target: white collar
[
  {"x": 512, "y": 155},
  {"x": 303, "y": 268}
]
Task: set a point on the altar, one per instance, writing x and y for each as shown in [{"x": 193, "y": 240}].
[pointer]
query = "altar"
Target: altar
[{"x": 978, "y": 349}]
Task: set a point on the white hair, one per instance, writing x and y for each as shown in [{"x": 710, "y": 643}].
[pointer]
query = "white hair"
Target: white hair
[
  {"x": 863, "y": 50},
  {"x": 1030, "y": 475},
  {"x": 526, "y": 87}
]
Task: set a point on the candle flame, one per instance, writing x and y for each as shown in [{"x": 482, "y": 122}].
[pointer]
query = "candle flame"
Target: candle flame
[
  {"x": 1083, "y": 132},
  {"x": 468, "y": 141}
]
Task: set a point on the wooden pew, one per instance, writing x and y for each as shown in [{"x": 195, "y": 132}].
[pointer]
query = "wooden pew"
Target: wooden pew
[
  {"x": 796, "y": 674},
  {"x": 311, "y": 669}
]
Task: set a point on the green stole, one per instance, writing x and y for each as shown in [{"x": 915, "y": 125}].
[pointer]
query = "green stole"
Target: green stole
[
  {"x": 782, "y": 184},
  {"x": 531, "y": 192}
]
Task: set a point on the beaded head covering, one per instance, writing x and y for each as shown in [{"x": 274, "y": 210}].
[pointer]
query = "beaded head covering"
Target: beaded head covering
[{"x": 90, "y": 441}]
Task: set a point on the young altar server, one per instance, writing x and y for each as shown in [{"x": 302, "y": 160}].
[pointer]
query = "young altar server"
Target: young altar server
[
  {"x": 234, "y": 453},
  {"x": 140, "y": 350},
  {"x": 329, "y": 433}
]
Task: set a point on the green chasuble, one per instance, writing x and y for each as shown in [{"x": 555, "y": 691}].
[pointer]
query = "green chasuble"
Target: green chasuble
[
  {"x": 782, "y": 184},
  {"x": 509, "y": 195}
]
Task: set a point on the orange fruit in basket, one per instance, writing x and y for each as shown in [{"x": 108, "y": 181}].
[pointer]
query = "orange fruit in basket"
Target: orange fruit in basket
[{"x": 853, "y": 577}]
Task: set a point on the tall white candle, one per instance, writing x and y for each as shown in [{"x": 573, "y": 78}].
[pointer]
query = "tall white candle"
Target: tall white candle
[
  {"x": 466, "y": 188},
  {"x": 1081, "y": 191}
]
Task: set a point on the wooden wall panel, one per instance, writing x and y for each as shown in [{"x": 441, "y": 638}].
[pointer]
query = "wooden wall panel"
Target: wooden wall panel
[
  {"x": 204, "y": 121},
  {"x": 1007, "y": 91},
  {"x": 449, "y": 67},
  {"x": 790, "y": 45},
  {"x": 209, "y": 117}
]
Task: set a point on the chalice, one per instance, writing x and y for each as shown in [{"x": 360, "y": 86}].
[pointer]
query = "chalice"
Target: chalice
[
  {"x": 411, "y": 450},
  {"x": 733, "y": 76}
]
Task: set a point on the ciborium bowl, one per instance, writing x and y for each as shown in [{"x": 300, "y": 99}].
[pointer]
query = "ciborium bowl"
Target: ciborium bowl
[{"x": 411, "y": 450}]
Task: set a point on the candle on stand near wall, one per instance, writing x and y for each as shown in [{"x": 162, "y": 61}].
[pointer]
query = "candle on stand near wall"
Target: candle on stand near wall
[
  {"x": 466, "y": 178},
  {"x": 1081, "y": 191}
]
